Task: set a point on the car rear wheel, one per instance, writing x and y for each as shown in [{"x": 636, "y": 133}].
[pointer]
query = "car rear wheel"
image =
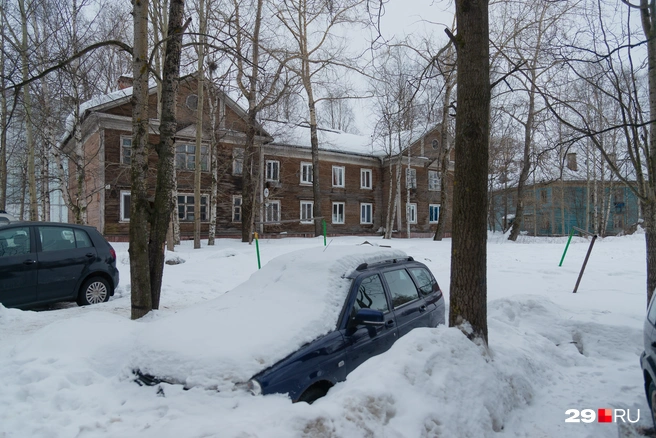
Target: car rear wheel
[{"x": 95, "y": 290}]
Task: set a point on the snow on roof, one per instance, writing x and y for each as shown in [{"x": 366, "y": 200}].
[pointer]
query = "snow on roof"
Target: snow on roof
[
  {"x": 298, "y": 134},
  {"x": 292, "y": 300},
  {"x": 93, "y": 103}
]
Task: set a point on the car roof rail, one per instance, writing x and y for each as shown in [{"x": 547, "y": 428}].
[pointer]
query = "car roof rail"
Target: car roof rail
[{"x": 364, "y": 266}]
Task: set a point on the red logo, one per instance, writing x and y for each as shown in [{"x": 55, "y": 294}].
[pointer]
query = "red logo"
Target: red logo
[{"x": 605, "y": 415}]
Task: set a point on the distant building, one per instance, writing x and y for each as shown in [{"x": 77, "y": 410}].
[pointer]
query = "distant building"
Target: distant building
[{"x": 561, "y": 197}]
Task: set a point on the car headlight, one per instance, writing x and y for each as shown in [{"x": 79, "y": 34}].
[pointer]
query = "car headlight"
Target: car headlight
[{"x": 254, "y": 387}]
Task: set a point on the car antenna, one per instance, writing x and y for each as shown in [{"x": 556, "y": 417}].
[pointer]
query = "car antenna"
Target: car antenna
[{"x": 331, "y": 241}]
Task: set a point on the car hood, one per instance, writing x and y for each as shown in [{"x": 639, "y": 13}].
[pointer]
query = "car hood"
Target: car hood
[{"x": 292, "y": 300}]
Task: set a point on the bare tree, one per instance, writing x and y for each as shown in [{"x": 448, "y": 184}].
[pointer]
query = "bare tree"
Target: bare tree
[{"x": 312, "y": 24}]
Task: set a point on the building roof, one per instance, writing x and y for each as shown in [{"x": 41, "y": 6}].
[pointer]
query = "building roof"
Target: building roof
[{"x": 298, "y": 134}]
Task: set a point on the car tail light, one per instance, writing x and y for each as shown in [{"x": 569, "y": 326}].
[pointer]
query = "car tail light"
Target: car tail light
[{"x": 112, "y": 252}]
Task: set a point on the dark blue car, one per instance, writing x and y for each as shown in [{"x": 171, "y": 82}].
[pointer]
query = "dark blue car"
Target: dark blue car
[
  {"x": 47, "y": 262},
  {"x": 348, "y": 312}
]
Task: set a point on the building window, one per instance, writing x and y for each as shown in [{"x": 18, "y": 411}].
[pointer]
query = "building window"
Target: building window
[
  {"x": 236, "y": 208},
  {"x": 366, "y": 216},
  {"x": 306, "y": 211},
  {"x": 126, "y": 150},
  {"x": 338, "y": 212},
  {"x": 571, "y": 161},
  {"x": 272, "y": 211},
  {"x": 306, "y": 173},
  {"x": 185, "y": 157},
  {"x": 543, "y": 196},
  {"x": 338, "y": 176},
  {"x": 433, "y": 180},
  {"x": 433, "y": 213},
  {"x": 365, "y": 179},
  {"x": 125, "y": 206},
  {"x": 411, "y": 178},
  {"x": 272, "y": 170},
  {"x": 237, "y": 161},
  {"x": 186, "y": 207},
  {"x": 411, "y": 213}
]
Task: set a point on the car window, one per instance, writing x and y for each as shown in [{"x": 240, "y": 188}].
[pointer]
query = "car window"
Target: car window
[
  {"x": 424, "y": 280},
  {"x": 56, "y": 238},
  {"x": 402, "y": 288},
  {"x": 15, "y": 241},
  {"x": 4, "y": 221},
  {"x": 371, "y": 295},
  {"x": 82, "y": 239}
]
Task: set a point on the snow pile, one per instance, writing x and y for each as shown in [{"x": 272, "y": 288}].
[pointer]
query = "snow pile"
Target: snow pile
[
  {"x": 291, "y": 301},
  {"x": 68, "y": 372}
]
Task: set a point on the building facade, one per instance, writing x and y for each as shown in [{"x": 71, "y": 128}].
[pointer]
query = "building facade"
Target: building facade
[{"x": 357, "y": 176}]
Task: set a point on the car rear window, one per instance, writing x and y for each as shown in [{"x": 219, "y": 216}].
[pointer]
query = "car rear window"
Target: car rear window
[
  {"x": 402, "y": 288},
  {"x": 61, "y": 238},
  {"x": 425, "y": 281}
]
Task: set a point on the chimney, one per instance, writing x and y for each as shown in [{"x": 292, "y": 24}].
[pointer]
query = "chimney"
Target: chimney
[{"x": 124, "y": 82}]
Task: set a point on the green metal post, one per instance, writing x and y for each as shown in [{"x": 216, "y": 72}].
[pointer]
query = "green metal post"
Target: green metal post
[
  {"x": 571, "y": 233},
  {"x": 323, "y": 221},
  {"x": 257, "y": 250}
]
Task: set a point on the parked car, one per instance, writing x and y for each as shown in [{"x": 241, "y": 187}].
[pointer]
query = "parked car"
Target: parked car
[
  {"x": 648, "y": 357},
  {"x": 298, "y": 326},
  {"x": 6, "y": 218},
  {"x": 46, "y": 262}
]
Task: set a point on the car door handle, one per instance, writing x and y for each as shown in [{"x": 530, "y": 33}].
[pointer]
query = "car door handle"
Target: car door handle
[
  {"x": 389, "y": 323},
  {"x": 422, "y": 308},
  {"x": 90, "y": 254},
  {"x": 29, "y": 262}
]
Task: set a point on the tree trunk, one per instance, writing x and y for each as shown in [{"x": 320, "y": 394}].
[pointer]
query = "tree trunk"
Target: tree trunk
[
  {"x": 163, "y": 207},
  {"x": 469, "y": 251},
  {"x": 140, "y": 209},
  {"x": 200, "y": 50},
  {"x": 445, "y": 152},
  {"x": 29, "y": 131},
  {"x": 4, "y": 119},
  {"x": 214, "y": 162},
  {"x": 526, "y": 166},
  {"x": 648, "y": 15}
]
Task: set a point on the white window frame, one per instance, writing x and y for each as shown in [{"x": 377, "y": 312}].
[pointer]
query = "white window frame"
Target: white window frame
[
  {"x": 124, "y": 194},
  {"x": 207, "y": 207},
  {"x": 236, "y": 208},
  {"x": 339, "y": 176},
  {"x": 439, "y": 208},
  {"x": 273, "y": 170},
  {"x": 433, "y": 181},
  {"x": 190, "y": 157},
  {"x": 267, "y": 212},
  {"x": 411, "y": 178},
  {"x": 311, "y": 207},
  {"x": 364, "y": 206},
  {"x": 335, "y": 214},
  {"x": 366, "y": 176},
  {"x": 238, "y": 161},
  {"x": 123, "y": 155},
  {"x": 306, "y": 171},
  {"x": 411, "y": 212}
]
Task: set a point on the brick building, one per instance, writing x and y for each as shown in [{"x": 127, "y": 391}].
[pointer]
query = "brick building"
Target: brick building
[{"x": 355, "y": 173}]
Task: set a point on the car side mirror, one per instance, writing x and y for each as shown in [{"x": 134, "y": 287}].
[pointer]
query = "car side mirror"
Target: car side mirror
[{"x": 368, "y": 317}]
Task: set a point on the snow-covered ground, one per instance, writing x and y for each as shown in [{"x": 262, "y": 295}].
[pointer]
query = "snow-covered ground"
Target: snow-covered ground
[{"x": 66, "y": 371}]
